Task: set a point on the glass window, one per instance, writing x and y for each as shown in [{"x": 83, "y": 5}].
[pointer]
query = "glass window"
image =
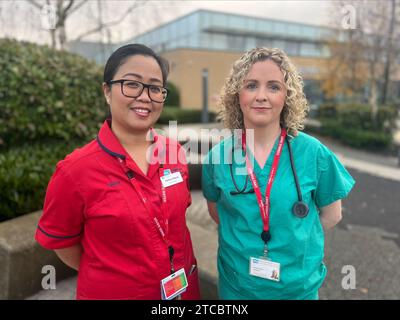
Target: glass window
[
  {"x": 236, "y": 42},
  {"x": 307, "y": 49},
  {"x": 163, "y": 34},
  {"x": 205, "y": 20},
  {"x": 313, "y": 91},
  {"x": 195, "y": 40},
  {"x": 193, "y": 23},
  {"x": 292, "y": 48},
  {"x": 204, "y": 41},
  {"x": 178, "y": 27},
  {"x": 251, "y": 43},
  {"x": 293, "y": 30},
  {"x": 325, "y": 52},
  {"x": 252, "y": 24},
  {"x": 281, "y": 28},
  {"x": 280, "y": 44},
  {"x": 313, "y": 33},
  {"x": 182, "y": 42},
  {"x": 263, "y": 42},
  {"x": 219, "y": 41},
  {"x": 177, "y": 30},
  {"x": 219, "y": 20},
  {"x": 236, "y": 22},
  {"x": 265, "y": 26}
]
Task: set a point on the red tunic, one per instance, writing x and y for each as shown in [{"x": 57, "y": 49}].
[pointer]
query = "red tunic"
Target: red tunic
[{"x": 91, "y": 201}]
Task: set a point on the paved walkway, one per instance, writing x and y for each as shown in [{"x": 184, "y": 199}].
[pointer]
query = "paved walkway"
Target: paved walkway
[{"x": 372, "y": 251}]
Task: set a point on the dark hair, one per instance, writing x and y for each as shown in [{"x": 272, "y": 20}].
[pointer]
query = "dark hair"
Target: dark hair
[{"x": 119, "y": 56}]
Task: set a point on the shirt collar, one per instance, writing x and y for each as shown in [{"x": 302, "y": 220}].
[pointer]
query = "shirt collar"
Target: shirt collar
[{"x": 109, "y": 143}]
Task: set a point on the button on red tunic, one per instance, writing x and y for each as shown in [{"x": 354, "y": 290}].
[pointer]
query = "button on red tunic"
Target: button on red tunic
[{"x": 91, "y": 201}]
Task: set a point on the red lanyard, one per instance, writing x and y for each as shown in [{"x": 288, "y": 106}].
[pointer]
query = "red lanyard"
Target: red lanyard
[
  {"x": 138, "y": 188},
  {"x": 163, "y": 231},
  {"x": 264, "y": 206}
]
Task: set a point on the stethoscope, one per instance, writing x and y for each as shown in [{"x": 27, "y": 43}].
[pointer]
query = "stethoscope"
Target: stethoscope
[{"x": 300, "y": 208}]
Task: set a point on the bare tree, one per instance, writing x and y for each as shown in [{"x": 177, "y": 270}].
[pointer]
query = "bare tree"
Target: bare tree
[
  {"x": 103, "y": 25},
  {"x": 66, "y": 8},
  {"x": 366, "y": 53},
  {"x": 390, "y": 52}
]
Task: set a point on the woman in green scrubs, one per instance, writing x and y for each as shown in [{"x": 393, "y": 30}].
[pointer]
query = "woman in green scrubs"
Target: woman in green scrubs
[{"x": 271, "y": 229}]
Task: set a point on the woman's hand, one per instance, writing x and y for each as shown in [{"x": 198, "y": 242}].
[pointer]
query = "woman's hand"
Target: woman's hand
[
  {"x": 212, "y": 209},
  {"x": 71, "y": 256},
  {"x": 331, "y": 215}
]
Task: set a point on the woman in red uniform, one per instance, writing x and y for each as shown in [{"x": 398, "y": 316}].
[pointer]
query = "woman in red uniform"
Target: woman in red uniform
[{"x": 115, "y": 208}]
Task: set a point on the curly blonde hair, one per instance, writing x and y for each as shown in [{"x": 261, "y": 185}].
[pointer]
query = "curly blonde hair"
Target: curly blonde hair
[{"x": 296, "y": 107}]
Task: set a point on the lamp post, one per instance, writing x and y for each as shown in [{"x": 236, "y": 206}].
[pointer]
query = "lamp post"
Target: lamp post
[{"x": 204, "y": 114}]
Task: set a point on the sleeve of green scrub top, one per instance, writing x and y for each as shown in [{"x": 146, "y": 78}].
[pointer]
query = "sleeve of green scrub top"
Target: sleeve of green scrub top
[
  {"x": 334, "y": 181},
  {"x": 210, "y": 191}
]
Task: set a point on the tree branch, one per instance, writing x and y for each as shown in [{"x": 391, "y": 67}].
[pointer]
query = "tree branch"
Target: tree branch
[
  {"x": 77, "y": 6},
  {"x": 110, "y": 23},
  {"x": 69, "y": 5},
  {"x": 35, "y": 4}
]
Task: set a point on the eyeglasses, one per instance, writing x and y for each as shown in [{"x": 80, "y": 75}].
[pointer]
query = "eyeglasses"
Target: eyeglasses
[{"x": 133, "y": 89}]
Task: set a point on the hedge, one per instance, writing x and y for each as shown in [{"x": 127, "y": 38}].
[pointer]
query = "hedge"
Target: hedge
[
  {"x": 173, "y": 97},
  {"x": 51, "y": 102},
  {"x": 47, "y": 94},
  {"x": 353, "y": 125},
  {"x": 182, "y": 116},
  {"x": 24, "y": 174}
]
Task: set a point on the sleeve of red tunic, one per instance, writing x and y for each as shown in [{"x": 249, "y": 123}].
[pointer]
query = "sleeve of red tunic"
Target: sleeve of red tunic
[{"x": 61, "y": 224}]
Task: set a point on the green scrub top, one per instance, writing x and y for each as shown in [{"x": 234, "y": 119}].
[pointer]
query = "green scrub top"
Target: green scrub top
[{"x": 296, "y": 243}]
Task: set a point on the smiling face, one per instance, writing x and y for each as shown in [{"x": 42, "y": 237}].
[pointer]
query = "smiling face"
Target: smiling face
[
  {"x": 135, "y": 114},
  {"x": 263, "y": 95}
]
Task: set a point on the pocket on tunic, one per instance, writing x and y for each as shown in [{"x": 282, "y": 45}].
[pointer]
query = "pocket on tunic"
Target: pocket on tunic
[{"x": 110, "y": 217}]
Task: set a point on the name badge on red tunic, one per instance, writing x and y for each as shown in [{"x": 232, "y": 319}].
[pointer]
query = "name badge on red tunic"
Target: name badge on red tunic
[
  {"x": 171, "y": 179},
  {"x": 174, "y": 285}
]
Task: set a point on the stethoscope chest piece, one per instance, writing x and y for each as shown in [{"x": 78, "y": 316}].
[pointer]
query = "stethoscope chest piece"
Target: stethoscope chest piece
[{"x": 300, "y": 209}]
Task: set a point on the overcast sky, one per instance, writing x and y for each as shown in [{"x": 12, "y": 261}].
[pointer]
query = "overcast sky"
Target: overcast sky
[{"x": 19, "y": 19}]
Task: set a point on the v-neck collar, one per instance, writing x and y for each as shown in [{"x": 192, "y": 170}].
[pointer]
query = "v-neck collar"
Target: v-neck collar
[
  {"x": 111, "y": 145},
  {"x": 268, "y": 164}
]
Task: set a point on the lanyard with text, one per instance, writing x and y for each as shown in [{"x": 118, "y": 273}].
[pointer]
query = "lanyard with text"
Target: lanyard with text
[
  {"x": 264, "y": 206},
  {"x": 163, "y": 231}
]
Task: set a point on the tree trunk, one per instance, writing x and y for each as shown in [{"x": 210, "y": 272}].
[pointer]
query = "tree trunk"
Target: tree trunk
[
  {"x": 386, "y": 77},
  {"x": 53, "y": 38},
  {"x": 62, "y": 36}
]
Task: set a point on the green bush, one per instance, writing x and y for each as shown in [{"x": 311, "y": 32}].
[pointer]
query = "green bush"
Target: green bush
[
  {"x": 173, "y": 98},
  {"x": 24, "y": 174},
  {"x": 355, "y": 137},
  {"x": 326, "y": 110},
  {"x": 47, "y": 94},
  {"x": 51, "y": 102},
  {"x": 358, "y": 116},
  {"x": 182, "y": 115},
  {"x": 353, "y": 125}
]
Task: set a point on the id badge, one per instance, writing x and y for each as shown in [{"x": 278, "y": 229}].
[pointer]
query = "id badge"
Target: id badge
[
  {"x": 263, "y": 268},
  {"x": 171, "y": 179},
  {"x": 174, "y": 285}
]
